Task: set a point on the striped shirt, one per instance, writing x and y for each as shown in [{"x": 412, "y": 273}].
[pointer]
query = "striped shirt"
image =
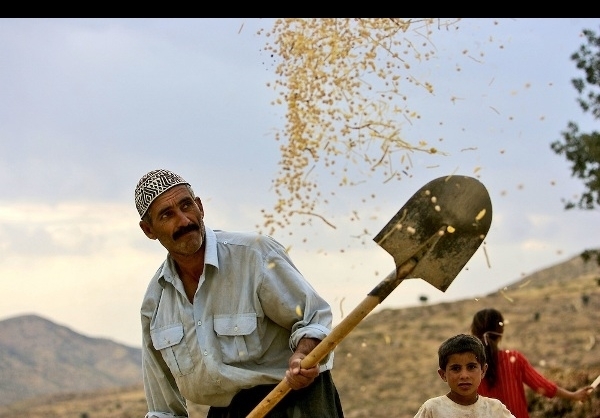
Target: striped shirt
[{"x": 514, "y": 371}]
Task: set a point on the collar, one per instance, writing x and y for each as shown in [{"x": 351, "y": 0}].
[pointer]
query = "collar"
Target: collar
[
  {"x": 169, "y": 272},
  {"x": 210, "y": 249}
]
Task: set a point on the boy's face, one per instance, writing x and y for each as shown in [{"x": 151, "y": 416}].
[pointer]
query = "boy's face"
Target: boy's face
[{"x": 463, "y": 374}]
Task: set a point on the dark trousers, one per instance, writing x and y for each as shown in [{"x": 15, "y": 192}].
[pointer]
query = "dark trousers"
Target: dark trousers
[{"x": 319, "y": 400}]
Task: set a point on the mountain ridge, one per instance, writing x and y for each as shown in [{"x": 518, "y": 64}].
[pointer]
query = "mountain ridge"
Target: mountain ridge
[
  {"x": 387, "y": 366},
  {"x": 39, "y": 357}
]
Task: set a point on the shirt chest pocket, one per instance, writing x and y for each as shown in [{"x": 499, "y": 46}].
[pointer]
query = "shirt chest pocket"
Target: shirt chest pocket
[
  {"x": 238, "y": 337},
  {"x": 171, "y": 344}
]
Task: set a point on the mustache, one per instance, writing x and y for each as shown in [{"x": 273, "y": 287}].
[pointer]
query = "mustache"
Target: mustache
[{"x": 184, "y": 230}]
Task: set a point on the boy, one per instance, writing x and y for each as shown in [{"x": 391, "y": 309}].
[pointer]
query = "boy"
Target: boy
[{"x": 462, "y": 365}]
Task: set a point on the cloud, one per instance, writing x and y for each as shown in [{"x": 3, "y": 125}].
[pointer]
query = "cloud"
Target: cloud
[{"x": 87, "y": 106}]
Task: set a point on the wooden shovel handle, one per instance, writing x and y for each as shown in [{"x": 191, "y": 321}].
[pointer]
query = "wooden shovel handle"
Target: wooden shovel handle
[{"x": 328, "y": 344}]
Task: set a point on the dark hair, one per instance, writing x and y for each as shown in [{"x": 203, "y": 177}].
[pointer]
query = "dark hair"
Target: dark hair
[
  {"x": 488, "y": 326},
  {"x": 461, "y": 343}
]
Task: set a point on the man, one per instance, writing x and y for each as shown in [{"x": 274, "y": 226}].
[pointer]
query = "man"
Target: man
[{"x": 226, "y": 316}]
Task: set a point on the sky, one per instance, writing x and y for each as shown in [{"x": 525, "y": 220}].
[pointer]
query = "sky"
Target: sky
[{"x": 87, "y": 106}]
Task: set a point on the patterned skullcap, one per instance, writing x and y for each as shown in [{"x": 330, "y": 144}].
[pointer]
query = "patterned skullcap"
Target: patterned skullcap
[{"x": 152, "y": 185}]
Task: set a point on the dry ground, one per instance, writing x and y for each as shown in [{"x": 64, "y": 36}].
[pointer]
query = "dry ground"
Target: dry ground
[{"x": 386, "y": 367}]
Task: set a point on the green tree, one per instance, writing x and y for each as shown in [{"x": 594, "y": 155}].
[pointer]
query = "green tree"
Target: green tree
[{"x": 582, "y": 150}]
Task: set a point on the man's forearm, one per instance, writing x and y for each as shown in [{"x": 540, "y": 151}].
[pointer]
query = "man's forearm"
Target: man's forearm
[{"x": 306, "y": 345}]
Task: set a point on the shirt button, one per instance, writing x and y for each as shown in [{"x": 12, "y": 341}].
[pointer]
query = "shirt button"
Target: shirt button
[
  {"x": 206, "y": 353},
  {"x": 235, "y": 328},
  {"x": 199, "y": 323}
]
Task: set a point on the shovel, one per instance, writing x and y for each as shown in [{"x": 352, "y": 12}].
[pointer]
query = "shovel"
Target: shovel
[{"x": 431, "y": 237}]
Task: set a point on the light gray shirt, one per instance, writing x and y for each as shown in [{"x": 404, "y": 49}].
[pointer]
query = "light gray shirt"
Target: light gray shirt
[
  {"x": 444, "y": 407},
  {"x": 250, "y": 310}
]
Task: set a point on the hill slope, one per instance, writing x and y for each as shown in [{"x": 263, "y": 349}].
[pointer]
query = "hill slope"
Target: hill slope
[
  {"x": 387, "y": 366},
  {"x": 553, "y": 316},
  {"x": 39, "y": 357}
]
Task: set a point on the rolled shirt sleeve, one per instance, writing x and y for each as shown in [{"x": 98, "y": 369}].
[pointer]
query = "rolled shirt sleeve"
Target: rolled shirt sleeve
[{"x": 290, "y": 300}]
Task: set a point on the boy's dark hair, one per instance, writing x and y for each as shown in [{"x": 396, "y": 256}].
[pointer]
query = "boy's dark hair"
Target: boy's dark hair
[{"x": 461, "y": 343}]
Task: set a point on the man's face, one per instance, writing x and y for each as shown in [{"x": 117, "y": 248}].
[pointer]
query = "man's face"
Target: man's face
[{"x": 176, "y": 220}]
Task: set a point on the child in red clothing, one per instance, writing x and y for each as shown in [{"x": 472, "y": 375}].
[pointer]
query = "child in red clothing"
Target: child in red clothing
[{"x": 509, "y": 370}]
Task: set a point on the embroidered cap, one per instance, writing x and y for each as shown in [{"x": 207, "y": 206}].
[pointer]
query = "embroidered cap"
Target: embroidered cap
[{"x": 152, "y": 185}]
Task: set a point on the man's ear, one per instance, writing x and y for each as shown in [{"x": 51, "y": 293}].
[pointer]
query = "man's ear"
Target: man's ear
[
  {"x": 145, "y": 226},
  {"x": 442, "y": 374},
  {"x": 483, "y": 370}
]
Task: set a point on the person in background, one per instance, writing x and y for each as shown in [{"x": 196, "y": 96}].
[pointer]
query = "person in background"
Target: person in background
[
  {"x": 462, "y": 365},
  {"x": 509, "y": 370},
  {"x": 226, "y": 316}
]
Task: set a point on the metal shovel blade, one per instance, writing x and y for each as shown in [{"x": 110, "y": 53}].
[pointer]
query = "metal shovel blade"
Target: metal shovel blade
[
  {"x": 458, "y": 209},
  {"x": 432, "y": 237}
]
